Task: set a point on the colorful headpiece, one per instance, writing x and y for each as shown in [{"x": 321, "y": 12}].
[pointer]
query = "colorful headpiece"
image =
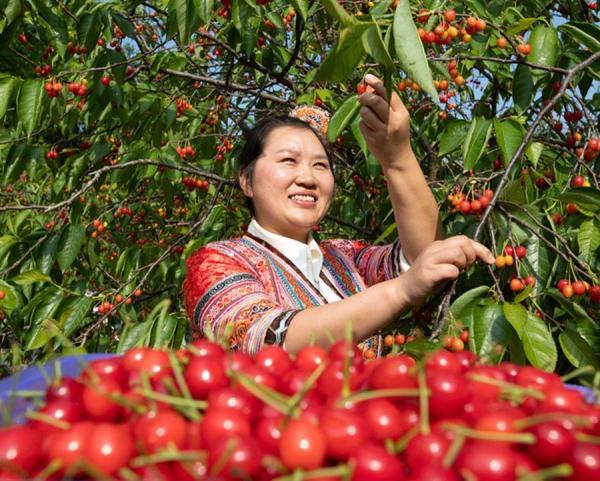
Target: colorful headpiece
[{"x": 315, "y": 116}]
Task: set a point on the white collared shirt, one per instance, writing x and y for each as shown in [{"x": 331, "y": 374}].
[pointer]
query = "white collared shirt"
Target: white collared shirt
[{"x": 308, "y": 258}]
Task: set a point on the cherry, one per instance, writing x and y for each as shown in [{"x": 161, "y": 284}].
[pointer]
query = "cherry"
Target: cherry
[
  {"x": 426, "y": 449},
  {"x": 105, "y": 80},
  {"x": 238, "y": 457},
  {"x": 394, "y": 373},
  {"x": 516, "y": 285},
  {"x": 578, "y": 288},
  {"x": 302, "y": 445},
  {"x": 361, "y": 88},
  {"x": 374, "y": 463},
  {"x": 203, "y": 375},
  {"x": 489, "y": 461},
  {"x": 521, "y": 251},
  {"x": 553, "y": 443},
  {"x": 450, "y": 15},
  {"x": 345, "y": 432},
  {"x": 501, "y": 42},
  {"x": 578, "y": 181}
]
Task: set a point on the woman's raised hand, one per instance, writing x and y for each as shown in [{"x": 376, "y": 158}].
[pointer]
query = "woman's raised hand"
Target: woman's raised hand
[
  {"x": 438, "y": 263},
  {"x": 384, "y": 124}
]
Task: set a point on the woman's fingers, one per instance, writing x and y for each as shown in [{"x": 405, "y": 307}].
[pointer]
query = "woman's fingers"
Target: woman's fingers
[
  {"x": 375, "y": 103},
  {"x": 371, "y": 120},
  {"x": 377, "y": 86}
]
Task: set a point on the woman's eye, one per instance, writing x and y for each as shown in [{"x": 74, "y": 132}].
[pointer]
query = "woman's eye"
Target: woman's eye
[
  {"x": 323, "y": 165},
  {"x": 289, "y": 159}
]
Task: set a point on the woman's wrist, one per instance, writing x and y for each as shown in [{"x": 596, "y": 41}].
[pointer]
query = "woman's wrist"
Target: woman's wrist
[
  {"x": 398, "y": 294},
  {"x": 401, "y": 159}
]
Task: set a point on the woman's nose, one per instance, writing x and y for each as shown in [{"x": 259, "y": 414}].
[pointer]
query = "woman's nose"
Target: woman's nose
[{"x": 306, "y": 175}]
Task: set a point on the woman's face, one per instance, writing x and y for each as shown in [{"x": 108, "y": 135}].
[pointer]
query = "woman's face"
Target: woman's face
[{"x": 292, "y": 183}]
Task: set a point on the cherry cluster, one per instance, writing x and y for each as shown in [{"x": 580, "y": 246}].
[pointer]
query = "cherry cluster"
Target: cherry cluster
[
  {"x": 76, "y": 49},
  {"x": 43, "y": 70},
  {"x": 446, "y": 31},
  {"x": 191, "y": 183},
  {"x": 579, "y": 288},
  {"x": 78, "y": 89},
  {"x": 53, "y": 88},
  {"x": 461, "y": 203},
  {"x": 182, "y": 106},
  {"x": 207, "y": 414},
  {"x": 186, "y": 152}
]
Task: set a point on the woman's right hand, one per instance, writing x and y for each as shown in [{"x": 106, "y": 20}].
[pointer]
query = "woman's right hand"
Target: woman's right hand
[{"x": 440, "y": 262}]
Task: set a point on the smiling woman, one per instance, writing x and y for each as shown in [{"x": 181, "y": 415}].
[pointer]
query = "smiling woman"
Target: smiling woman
[{"x": 277, "y": 285}]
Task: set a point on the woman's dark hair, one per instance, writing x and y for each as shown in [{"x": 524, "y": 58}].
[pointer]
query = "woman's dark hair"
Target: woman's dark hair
[{"x": 255, "y": 143}]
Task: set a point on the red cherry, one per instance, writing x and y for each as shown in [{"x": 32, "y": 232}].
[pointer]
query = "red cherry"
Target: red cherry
[
  {"x": 203, "y": 375},
  {"x": 374, "y": 463},
  {"x": 361, "y": 88},
  {"x": 521, "y": 251},
  {"x": 426, "y": 449},
  {"x": 594, "y": 294},
  {"x": 20, "y": 449},
  {"x": 274, "y": 359},
  {"x": 489, "y": 461},
  {"x": 309, "y": 358},
  {"x": 302, "y": 445},
  {"x": 578, "y": 181},
  {"x": 553, "y": 443},
  {"x": 345, "y": 432},
  {"x": 578, "y": 288},
  {"x": 105, "y": 80},
  {"x": 394, "y": 373},
  {"x": 238, "y": 457},
  {"x": 385, "y": 420}
]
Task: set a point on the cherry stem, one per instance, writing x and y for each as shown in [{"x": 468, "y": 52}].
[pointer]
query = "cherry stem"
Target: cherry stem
[
  {"x": 508, "y": 387},
  {"x": 522, "y": 424},
  {"x": 342, "y": 471},
  {"x": 307, "y": 385},
  {"x": 224, "y": 457},
  {"x": 578, "y": 372},
  {"x": 423, "y": 401},
  {"x": 173, "y": 400},
  {"x": 587, "y": 438},
  {"x": 453, "y": 451},
  {"x": 379, "y": 393},
  {"x": 52, "y": 467},
  {"x": 347, "y": 359},
  {"x": 559, "y": 471},
  {"x": 166, "y": 456},
  {"x": 127, "y": 474},
  {"x": 267, "y": 395},
  {"x": 47, "y": 419},
  {"x": 522, "y": 438}
]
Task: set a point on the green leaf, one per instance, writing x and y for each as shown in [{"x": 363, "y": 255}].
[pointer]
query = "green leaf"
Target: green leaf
[
  {"x": 345, "y": 56},
  {"x": 509, "y": 135},
  {"x": 342, "y": 117},
  {"x": 513, "y": 192},
  {"x": 587, "y": 34},
  {"x": 461, "y": 302},
  {"x": 522, "y": 87},
  {"x": 538, "y": 344},
  {"x": 57, "y": 23},
  {"x": 335, "y": 10},
  {"x": 409, "y": 49},
  {"x": 204, "y": 10},
  {"x": 8, "y": 87},
  {"x": 453, "y": 136},
  {"x": 72, "y": 311},
  {"x": 40, "y": 332},
  {"x": 545, "y": 47},
  {"x": 30, "y": 102},
  {"x": 12, "y": 297},
  {"x": 88, "y": 30},
  {"x": 587, "y": 199},
  {"x": 7, "y": 241},
  {"x": 588, "y": 238},
  {"x": 534, "y": 152},
  {"x": 360, "y": 140},
  {"x": 521, "y": 25},
  {"x": 576, "y": 349},
  {"x": 488, "y": 328},
  {"x": 301, "y": 6},
  {"x": 70, "y": 244},
  {"x": 30, "y": 277},
  {"x": 134, "y": 335},
  {"x": 181, "y": 13},
  {"x": 476, "y": 141},
  {"x": 572, "y": 308},
  {"x": 376, "y": 48}
]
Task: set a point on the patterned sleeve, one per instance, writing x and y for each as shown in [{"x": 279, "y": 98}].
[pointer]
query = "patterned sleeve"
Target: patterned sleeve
[
  {"x": 375, "y": 263},
  {"x": 225, "y": 299}
]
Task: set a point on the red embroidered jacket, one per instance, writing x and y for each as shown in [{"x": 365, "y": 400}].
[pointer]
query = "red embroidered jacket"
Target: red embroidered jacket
[{"x": 248, "y": 291}]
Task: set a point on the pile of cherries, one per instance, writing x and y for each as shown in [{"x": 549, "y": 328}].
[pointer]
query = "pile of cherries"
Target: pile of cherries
[{"x": 207, "y": 414}]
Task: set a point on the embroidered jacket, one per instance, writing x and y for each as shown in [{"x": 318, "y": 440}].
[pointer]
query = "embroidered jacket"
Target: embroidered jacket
[{"x": 247, "y": 290}]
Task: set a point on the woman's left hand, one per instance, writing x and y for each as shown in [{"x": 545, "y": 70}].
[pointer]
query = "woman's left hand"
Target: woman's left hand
[{"x": 384, "y": 125}]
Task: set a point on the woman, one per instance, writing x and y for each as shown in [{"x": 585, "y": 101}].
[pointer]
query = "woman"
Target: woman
[{"x": 277, "y": 285}]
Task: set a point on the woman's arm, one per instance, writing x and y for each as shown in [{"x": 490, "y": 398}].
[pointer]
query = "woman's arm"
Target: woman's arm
[
  {"x": 374, "y": 308},
  {"x": 386, "y": 129}
]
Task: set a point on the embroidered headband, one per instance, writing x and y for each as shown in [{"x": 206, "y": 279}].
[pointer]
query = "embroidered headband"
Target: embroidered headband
[{"x": 315, "y": 116}]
